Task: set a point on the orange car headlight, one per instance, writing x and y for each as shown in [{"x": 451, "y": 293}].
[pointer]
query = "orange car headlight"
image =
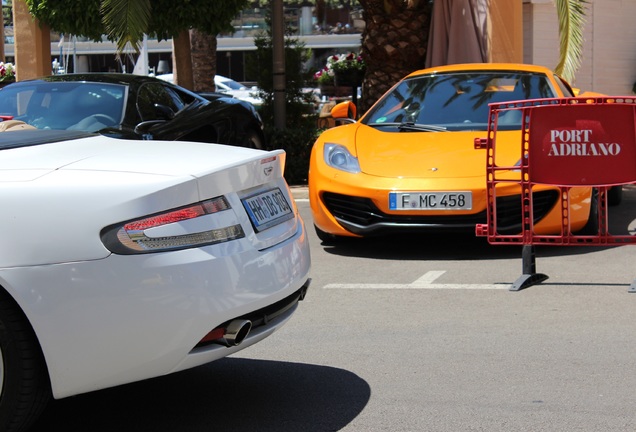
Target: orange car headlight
[{"x": 338, "y": 157}]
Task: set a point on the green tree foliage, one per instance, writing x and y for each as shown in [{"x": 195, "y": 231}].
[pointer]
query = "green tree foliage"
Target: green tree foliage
[
  {"x": 126, "y": 21},
  {"x": 301, "y": 121},
  {"x": 81, "y": 18},
  {"x": 298, "y": 103},
  {"x": 7, "y": 14},
  {"x": 571, "y": 14},
  {"x": 209, "y": 17}
]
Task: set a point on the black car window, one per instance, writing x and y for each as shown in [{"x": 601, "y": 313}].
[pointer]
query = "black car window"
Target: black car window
[
  {"x": 152, "y": 94},
  {"x": 565, "y": 87},
  {"x": 186, "y": 98}
]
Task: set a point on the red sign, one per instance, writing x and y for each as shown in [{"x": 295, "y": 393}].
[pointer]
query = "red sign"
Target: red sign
[{"x": 582, "y": 144}]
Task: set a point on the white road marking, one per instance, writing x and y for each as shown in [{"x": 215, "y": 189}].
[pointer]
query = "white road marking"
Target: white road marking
[{"x": 425, "y": 282}]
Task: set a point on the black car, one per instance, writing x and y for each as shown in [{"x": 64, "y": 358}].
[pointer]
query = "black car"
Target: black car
[{"x": 131, "y": 106}]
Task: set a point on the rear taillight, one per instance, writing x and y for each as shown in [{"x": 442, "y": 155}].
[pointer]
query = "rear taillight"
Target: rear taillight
[{"x": 134, "y": 237}]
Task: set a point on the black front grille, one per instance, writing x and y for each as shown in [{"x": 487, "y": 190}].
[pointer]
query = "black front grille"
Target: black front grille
[
  {"x": 509, "y": 210},
  {"x": 361, "y": 215}
]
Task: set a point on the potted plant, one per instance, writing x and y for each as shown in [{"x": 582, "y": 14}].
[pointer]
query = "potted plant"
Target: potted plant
[
  {"x": 326, "y": 83},
  {"x": 7, "y": 74},
  {"x": 348, "y": 69},
  {"x": 341, "y": 72},
  {"x": 324, "y": 77}
]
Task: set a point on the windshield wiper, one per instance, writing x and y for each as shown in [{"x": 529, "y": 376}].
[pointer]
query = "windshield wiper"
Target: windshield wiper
[{"x": 411, "y": 126}]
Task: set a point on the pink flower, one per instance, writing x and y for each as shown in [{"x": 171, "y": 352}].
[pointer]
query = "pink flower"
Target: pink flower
[{"x": 7, "y": 72}]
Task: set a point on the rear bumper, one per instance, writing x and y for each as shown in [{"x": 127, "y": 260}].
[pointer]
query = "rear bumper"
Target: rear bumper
[
  {"x": 264, "y": 322},
  {"x": 126, "y": 318}
]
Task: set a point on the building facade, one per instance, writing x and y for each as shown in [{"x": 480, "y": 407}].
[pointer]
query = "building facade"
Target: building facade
[{"x": 609, "y": 53}]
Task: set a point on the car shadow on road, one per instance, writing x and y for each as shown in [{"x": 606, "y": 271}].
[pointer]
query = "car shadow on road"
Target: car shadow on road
[
  {"x": 436, "y": 247},
  {"x": 232, "y": 394}
]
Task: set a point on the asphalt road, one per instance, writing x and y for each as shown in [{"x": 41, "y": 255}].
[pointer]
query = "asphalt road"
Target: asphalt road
[{"x": 414, "y": 334}]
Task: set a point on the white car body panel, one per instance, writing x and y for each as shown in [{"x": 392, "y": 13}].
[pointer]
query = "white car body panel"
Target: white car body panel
[
  {"x": 104, "y": 319},
  {"x": 237, "y": 90},
  {"x": 229, "y": 87}
]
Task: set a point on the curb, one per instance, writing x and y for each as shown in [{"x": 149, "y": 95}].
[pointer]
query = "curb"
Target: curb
[{"x": 300, "y": 192}]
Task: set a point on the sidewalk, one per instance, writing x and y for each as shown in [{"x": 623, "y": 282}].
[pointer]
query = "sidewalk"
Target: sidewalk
[{"x": 300, "y": 192}]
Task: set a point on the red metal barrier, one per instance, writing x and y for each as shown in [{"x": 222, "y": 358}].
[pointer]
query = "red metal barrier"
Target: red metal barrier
[{"x": 573, "y": 142}]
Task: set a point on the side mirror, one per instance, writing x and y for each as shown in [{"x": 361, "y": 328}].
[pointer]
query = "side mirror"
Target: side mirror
[
  {"x": 164, "y": 112},
  {"x": 143, "y": 128},
  {"x": 344, "y": 110}
]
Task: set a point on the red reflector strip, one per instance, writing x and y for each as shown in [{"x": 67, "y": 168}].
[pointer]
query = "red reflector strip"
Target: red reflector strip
[
  {"x": 206, "y": 207},
  {"x": 166, "y": 218},
  {"x": 215, "y": 334},
  {"x": 267, "y": 160}
]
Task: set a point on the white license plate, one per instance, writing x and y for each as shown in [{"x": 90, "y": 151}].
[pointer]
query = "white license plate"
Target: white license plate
[
  {"x": 430, "y": 200},
  {"x": 267, "y": 209}
]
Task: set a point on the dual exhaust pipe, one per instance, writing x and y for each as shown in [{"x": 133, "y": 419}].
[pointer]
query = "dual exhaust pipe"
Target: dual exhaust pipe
[{"x": 235, "y": 332}]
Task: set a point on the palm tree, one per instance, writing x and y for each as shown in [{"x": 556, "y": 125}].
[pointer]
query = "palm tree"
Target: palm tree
[
  {"x": 571, "y": 14},
  {"x": 203, "y": 54},
  {"x": 195, "y": 24},
  {"x": 396, "y": 36},
  {"x": 393, "y": 43}
]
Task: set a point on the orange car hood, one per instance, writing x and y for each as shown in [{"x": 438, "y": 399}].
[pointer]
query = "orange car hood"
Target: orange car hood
[{"x": 429, "y": 154}]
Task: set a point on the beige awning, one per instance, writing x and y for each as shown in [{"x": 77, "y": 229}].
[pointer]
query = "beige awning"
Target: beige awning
[{"x": 458, "y": 32}]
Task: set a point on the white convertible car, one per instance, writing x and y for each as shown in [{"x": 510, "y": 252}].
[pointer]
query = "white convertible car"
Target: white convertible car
[{"x": 125, "y": 260}]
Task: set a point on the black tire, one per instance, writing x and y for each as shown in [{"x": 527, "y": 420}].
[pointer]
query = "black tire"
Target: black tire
[
  {"x": 254, "y": 139},
  {"x": 24, "y": 383},
  {"x": 615, "y": 195}
]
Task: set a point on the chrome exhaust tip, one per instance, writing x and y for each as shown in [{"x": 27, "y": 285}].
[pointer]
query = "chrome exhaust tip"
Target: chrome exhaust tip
[{"x": 235, "y": 332}]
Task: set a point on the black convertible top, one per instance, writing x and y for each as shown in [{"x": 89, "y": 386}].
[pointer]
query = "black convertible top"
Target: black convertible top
[{"x": 31, "y": 137}]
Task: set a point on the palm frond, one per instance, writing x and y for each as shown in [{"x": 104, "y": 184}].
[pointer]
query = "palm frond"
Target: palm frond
[
  {"x": 126, "y": 21},
  {"x": 571, "y": 15}
]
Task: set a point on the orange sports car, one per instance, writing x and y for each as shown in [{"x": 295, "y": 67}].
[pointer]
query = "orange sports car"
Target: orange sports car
[{"x": 410, "y": 164}]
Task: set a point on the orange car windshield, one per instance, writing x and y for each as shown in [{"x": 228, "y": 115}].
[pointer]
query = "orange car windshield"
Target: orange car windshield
[{"x": 454, "y": 101}]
